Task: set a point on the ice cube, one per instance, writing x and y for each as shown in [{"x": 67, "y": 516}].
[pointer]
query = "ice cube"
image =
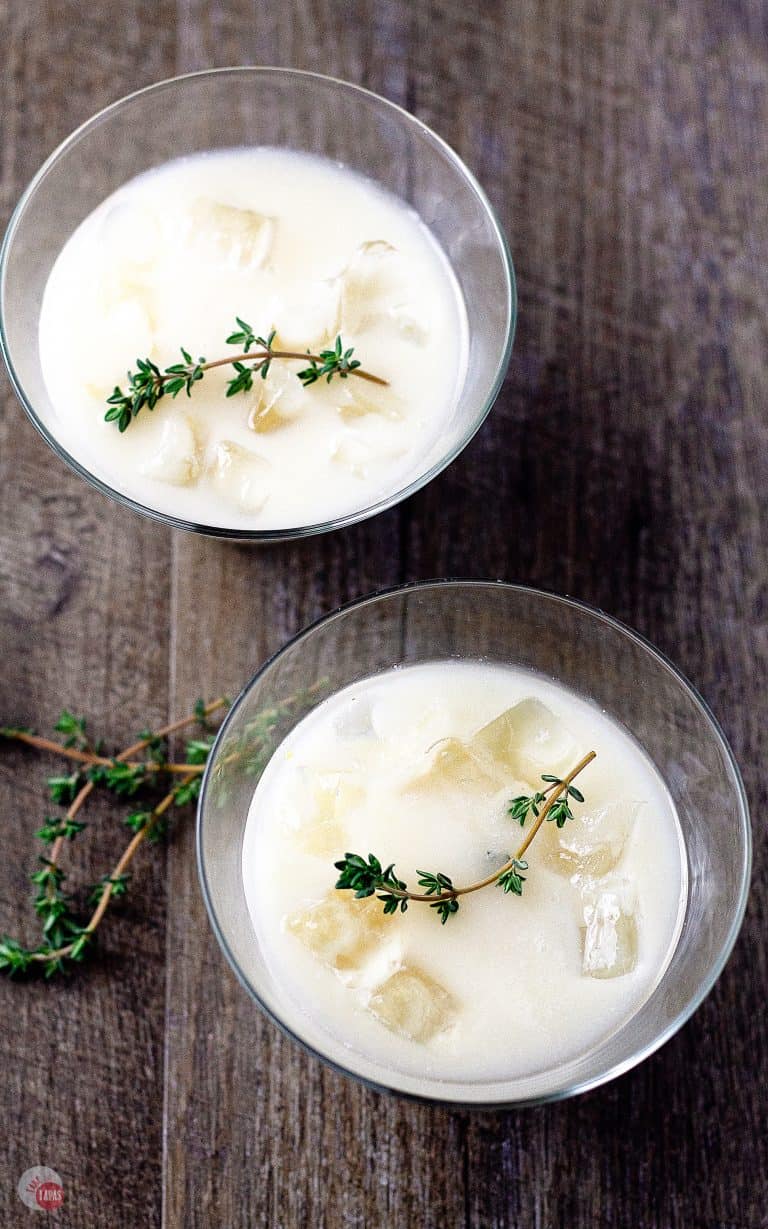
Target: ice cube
[
  {"x": 342, "y": 793},
  {"x": 450, "y": 765},
  {"x": 609, "y": 934},
  {"x": 353, "y": 454},
  {"x": 339, "y": 930},
  {"x": 123, "y": 333},
  {"x": 592, "y": 843},
  {"x": 276, "y": 400},
  {"x": 364, "y": 282},
  {"x": 512, "y": 749},
  {"x": 541, "y": 741},
  {"x": 408, "y": 324},
  {"x": 310, "y": 320},
  {"x": 357, "y": 400},
  {"x": 240, "y": 476},
  {"x": 177, "y": 457},
  {"x": 265, "y": 419},
  {"x": 374, "y": 287},
  {"x": 413, "y": 1004},
  {"x": 358, "y": 453},
  {"x": 522, "y": 741},
  {"x": 322, "y": 838},
  {"x": 334, "y": 795},
  {"x": 239, "y": 238},
  {"x": 127, "y": 308},
  {"x": 129, "y": 244},
  {"x": 495, "y": 742},
  {"x": 355, "y": 719}
]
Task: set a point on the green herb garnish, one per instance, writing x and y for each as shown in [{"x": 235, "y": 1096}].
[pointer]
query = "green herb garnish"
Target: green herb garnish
[
  {"x": 148, "y": 384},
  {"x": 365, "y": 877},
  {"x": 66, "y": 936},
  {"x": 560, "y": 811}
]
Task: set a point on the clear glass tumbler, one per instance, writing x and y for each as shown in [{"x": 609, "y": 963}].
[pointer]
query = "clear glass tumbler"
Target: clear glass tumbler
[
  {"x": 232, "y": 107},
  {"x": 574, "y": 644}
]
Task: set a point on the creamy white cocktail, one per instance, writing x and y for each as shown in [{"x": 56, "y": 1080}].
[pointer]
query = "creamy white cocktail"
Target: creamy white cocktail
[
  {"x": 442, "y": 768},
  {"x": 303, "y": 251}
]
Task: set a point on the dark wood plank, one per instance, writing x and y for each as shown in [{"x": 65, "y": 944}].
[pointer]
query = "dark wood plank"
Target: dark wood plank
[{"x": 84, "y": 599}]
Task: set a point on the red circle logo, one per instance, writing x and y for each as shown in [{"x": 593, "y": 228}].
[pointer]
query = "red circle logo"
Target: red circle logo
[{"x": 49, "y": 1195}]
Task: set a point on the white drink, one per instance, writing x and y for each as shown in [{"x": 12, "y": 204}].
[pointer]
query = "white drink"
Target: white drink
[
  {"x": 418, "y": 766},
  {"x": 284, "y": 241}
]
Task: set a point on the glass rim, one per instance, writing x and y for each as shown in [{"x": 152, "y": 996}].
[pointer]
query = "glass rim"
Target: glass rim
[
  {"x": 716, "y": 965},
  {"x": 289, "y": 533}
]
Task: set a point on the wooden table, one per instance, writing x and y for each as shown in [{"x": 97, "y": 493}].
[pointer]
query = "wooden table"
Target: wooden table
[{"x": 625, "y": 146}]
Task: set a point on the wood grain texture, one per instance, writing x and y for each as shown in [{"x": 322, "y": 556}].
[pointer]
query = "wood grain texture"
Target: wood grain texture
[
  {"x": 626, "y": 462},
  {"x": 82, "y": 596}
]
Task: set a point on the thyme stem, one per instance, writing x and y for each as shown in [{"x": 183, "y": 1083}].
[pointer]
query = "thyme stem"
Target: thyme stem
[
  {"x": 88, "y": 757},
  {"x": 260, "y": 355},
  {"x": 58, "y": 844}
]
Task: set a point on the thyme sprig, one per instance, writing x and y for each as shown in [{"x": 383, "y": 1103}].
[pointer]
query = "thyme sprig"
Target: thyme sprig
[
  {"x": 365, "y": 877},
  {"x": 71, "y": 752},
  {"x": 65, "y": 937},
  {"x": 148, "y": 383}
]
